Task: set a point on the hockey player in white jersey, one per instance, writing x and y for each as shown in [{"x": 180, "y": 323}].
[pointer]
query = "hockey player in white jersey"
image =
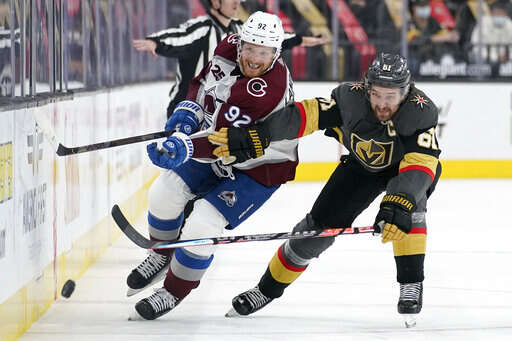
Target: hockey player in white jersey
[{"x": 244, "y": 83}]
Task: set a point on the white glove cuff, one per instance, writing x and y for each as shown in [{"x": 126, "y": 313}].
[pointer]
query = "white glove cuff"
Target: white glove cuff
[
  {"x": 187, "y": 141},
  {"x": 191, "y": 106}
]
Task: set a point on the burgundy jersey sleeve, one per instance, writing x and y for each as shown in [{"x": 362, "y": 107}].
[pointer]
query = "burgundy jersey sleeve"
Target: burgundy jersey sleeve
[{"x": 225, "y": 48}]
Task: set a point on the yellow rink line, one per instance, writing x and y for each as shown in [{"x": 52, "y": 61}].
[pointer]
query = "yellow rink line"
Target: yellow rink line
[
  {"x": 452, "y": 169},
  {"x": 29, "y": 303}
]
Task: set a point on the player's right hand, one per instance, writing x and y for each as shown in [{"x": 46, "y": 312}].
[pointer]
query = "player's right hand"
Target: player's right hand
[
  {"x": 186, "y": 117},
  {"x": 394, "y": 219},
  {"x": 178, "y": 149},
  {"x": 240, "y": 143}
]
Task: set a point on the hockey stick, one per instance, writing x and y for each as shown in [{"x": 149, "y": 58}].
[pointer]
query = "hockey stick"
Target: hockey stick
[
  {"x": 61, "y": 150},
  {"x": 145, "y": 243}
]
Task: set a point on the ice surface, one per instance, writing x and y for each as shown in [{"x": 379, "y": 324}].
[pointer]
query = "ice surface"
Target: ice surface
[{"x": 349, "y": 293}]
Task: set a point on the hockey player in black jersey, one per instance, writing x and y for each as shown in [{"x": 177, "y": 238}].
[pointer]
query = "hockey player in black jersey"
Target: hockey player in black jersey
[{"x": 388, "y": 125}]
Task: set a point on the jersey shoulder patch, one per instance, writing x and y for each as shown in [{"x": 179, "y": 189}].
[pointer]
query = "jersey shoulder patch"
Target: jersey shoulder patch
[
  {"x": 227, "y": 48},
  {"x": 351, "y": 100},
  {"x": 348, "y": 92},
  {"x": 417, "y": 113}
]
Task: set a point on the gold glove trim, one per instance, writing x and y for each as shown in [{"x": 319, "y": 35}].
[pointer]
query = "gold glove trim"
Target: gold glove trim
[
  {"x": 392, "y": 233},
  {"x": 398, "y": 199},
  {"x": 219, "y": 137},
  {"x": 221, "y": 151}
]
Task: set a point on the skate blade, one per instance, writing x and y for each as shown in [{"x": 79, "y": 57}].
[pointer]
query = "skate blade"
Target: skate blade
[
  {"x": 132, "y": 292},
  {"x": 134, "y": 316},
  {"x": 232, "y": 313},
  {"x": 410, "y": 320}
]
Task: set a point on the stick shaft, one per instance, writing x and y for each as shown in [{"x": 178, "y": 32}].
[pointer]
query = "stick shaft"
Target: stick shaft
[
  {"x": 46, "y": 127},
  {"x": 145, "y": 243},
  {"x": 63, "y": 150}
]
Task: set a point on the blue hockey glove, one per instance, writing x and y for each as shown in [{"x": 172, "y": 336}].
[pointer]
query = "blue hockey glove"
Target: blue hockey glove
[
  {"x": 186, "y": 117},
  {"x": 178, "y": 150}
]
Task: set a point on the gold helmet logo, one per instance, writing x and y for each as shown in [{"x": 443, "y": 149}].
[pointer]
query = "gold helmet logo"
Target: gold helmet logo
[{"x": 373, "y": 153}]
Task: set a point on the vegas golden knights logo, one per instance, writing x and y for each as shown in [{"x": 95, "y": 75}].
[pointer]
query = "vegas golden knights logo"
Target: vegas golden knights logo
[{"x": 373, "y": 153}]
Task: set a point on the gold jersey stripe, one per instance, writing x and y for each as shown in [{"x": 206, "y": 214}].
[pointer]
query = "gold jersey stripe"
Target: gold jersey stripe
[
  {"x": 312, "y": 115},
  {"x": 280, "y": 273},
  {"x": 340, "y": 134},
  {"x": 420, "y": 159},
  {"x": 412, "y": 244}
]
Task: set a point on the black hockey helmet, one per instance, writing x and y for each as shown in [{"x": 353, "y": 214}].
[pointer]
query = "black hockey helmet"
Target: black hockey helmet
[{"x": 388, "y": 70}]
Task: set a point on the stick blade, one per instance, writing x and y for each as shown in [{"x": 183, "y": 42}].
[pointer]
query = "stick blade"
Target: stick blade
[
  {"x": 63, "y": 151},
  {"x": 130, "y": 231}
]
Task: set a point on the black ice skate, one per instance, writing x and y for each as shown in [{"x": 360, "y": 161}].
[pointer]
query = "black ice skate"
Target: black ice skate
[
  {"x": 410, "y": 302},
  {"x": 150, "y": 271},
  {"x": 248, "y": 302},
  {"x": 154, "y": 306}
]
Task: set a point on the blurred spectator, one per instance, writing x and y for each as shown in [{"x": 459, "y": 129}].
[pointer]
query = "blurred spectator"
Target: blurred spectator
[
  {"x": 389, "y": 23},
  {"x": 466, "y": 21},
  {"x": 5, "y": 52},
  {"x": 73, "y": 61},
  {"x": 454, "y": 5},
  {"x": 427, "y": 39},
  {"x": 496, "y": 35},
  {"x": 366, "y": 12}
]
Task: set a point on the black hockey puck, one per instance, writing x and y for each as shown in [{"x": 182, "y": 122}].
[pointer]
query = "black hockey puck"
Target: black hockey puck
[{"x": 68, "y": 288}]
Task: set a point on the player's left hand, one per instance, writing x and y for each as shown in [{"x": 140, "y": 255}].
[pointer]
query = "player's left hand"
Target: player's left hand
[
  {"x": 186, "y": 117},
  {"x": 314, "y": 41},
  {"x": 178, "y": 150},
  {"x": 239, "y": 144},
  {"x": 394, "y": 219}
]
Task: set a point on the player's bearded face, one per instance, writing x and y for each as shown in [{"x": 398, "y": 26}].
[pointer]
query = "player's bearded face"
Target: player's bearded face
[
  {"x": 255, "y": 59},
  {"x": 384, "y": 101}
]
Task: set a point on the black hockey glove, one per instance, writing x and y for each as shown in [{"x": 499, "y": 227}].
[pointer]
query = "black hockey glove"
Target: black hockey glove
[
  {"x": 394, "y": 219},
  {"x": 240, "y": 144}
]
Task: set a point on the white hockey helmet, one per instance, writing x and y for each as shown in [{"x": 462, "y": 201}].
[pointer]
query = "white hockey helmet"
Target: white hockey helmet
[{"x": 263, "y": 29}]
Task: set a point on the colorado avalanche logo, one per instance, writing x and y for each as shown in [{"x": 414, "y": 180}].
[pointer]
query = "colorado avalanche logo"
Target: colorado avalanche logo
[
  {"x": 229, "y": 197},
  {"x": 419, "y": 100},
  {"x": 256, "y": 87},
  {"x": 233, "y": 39}
]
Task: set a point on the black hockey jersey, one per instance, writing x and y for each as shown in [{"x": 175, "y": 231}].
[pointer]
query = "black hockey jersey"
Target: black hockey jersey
[{"x": 408, "y": 139}]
